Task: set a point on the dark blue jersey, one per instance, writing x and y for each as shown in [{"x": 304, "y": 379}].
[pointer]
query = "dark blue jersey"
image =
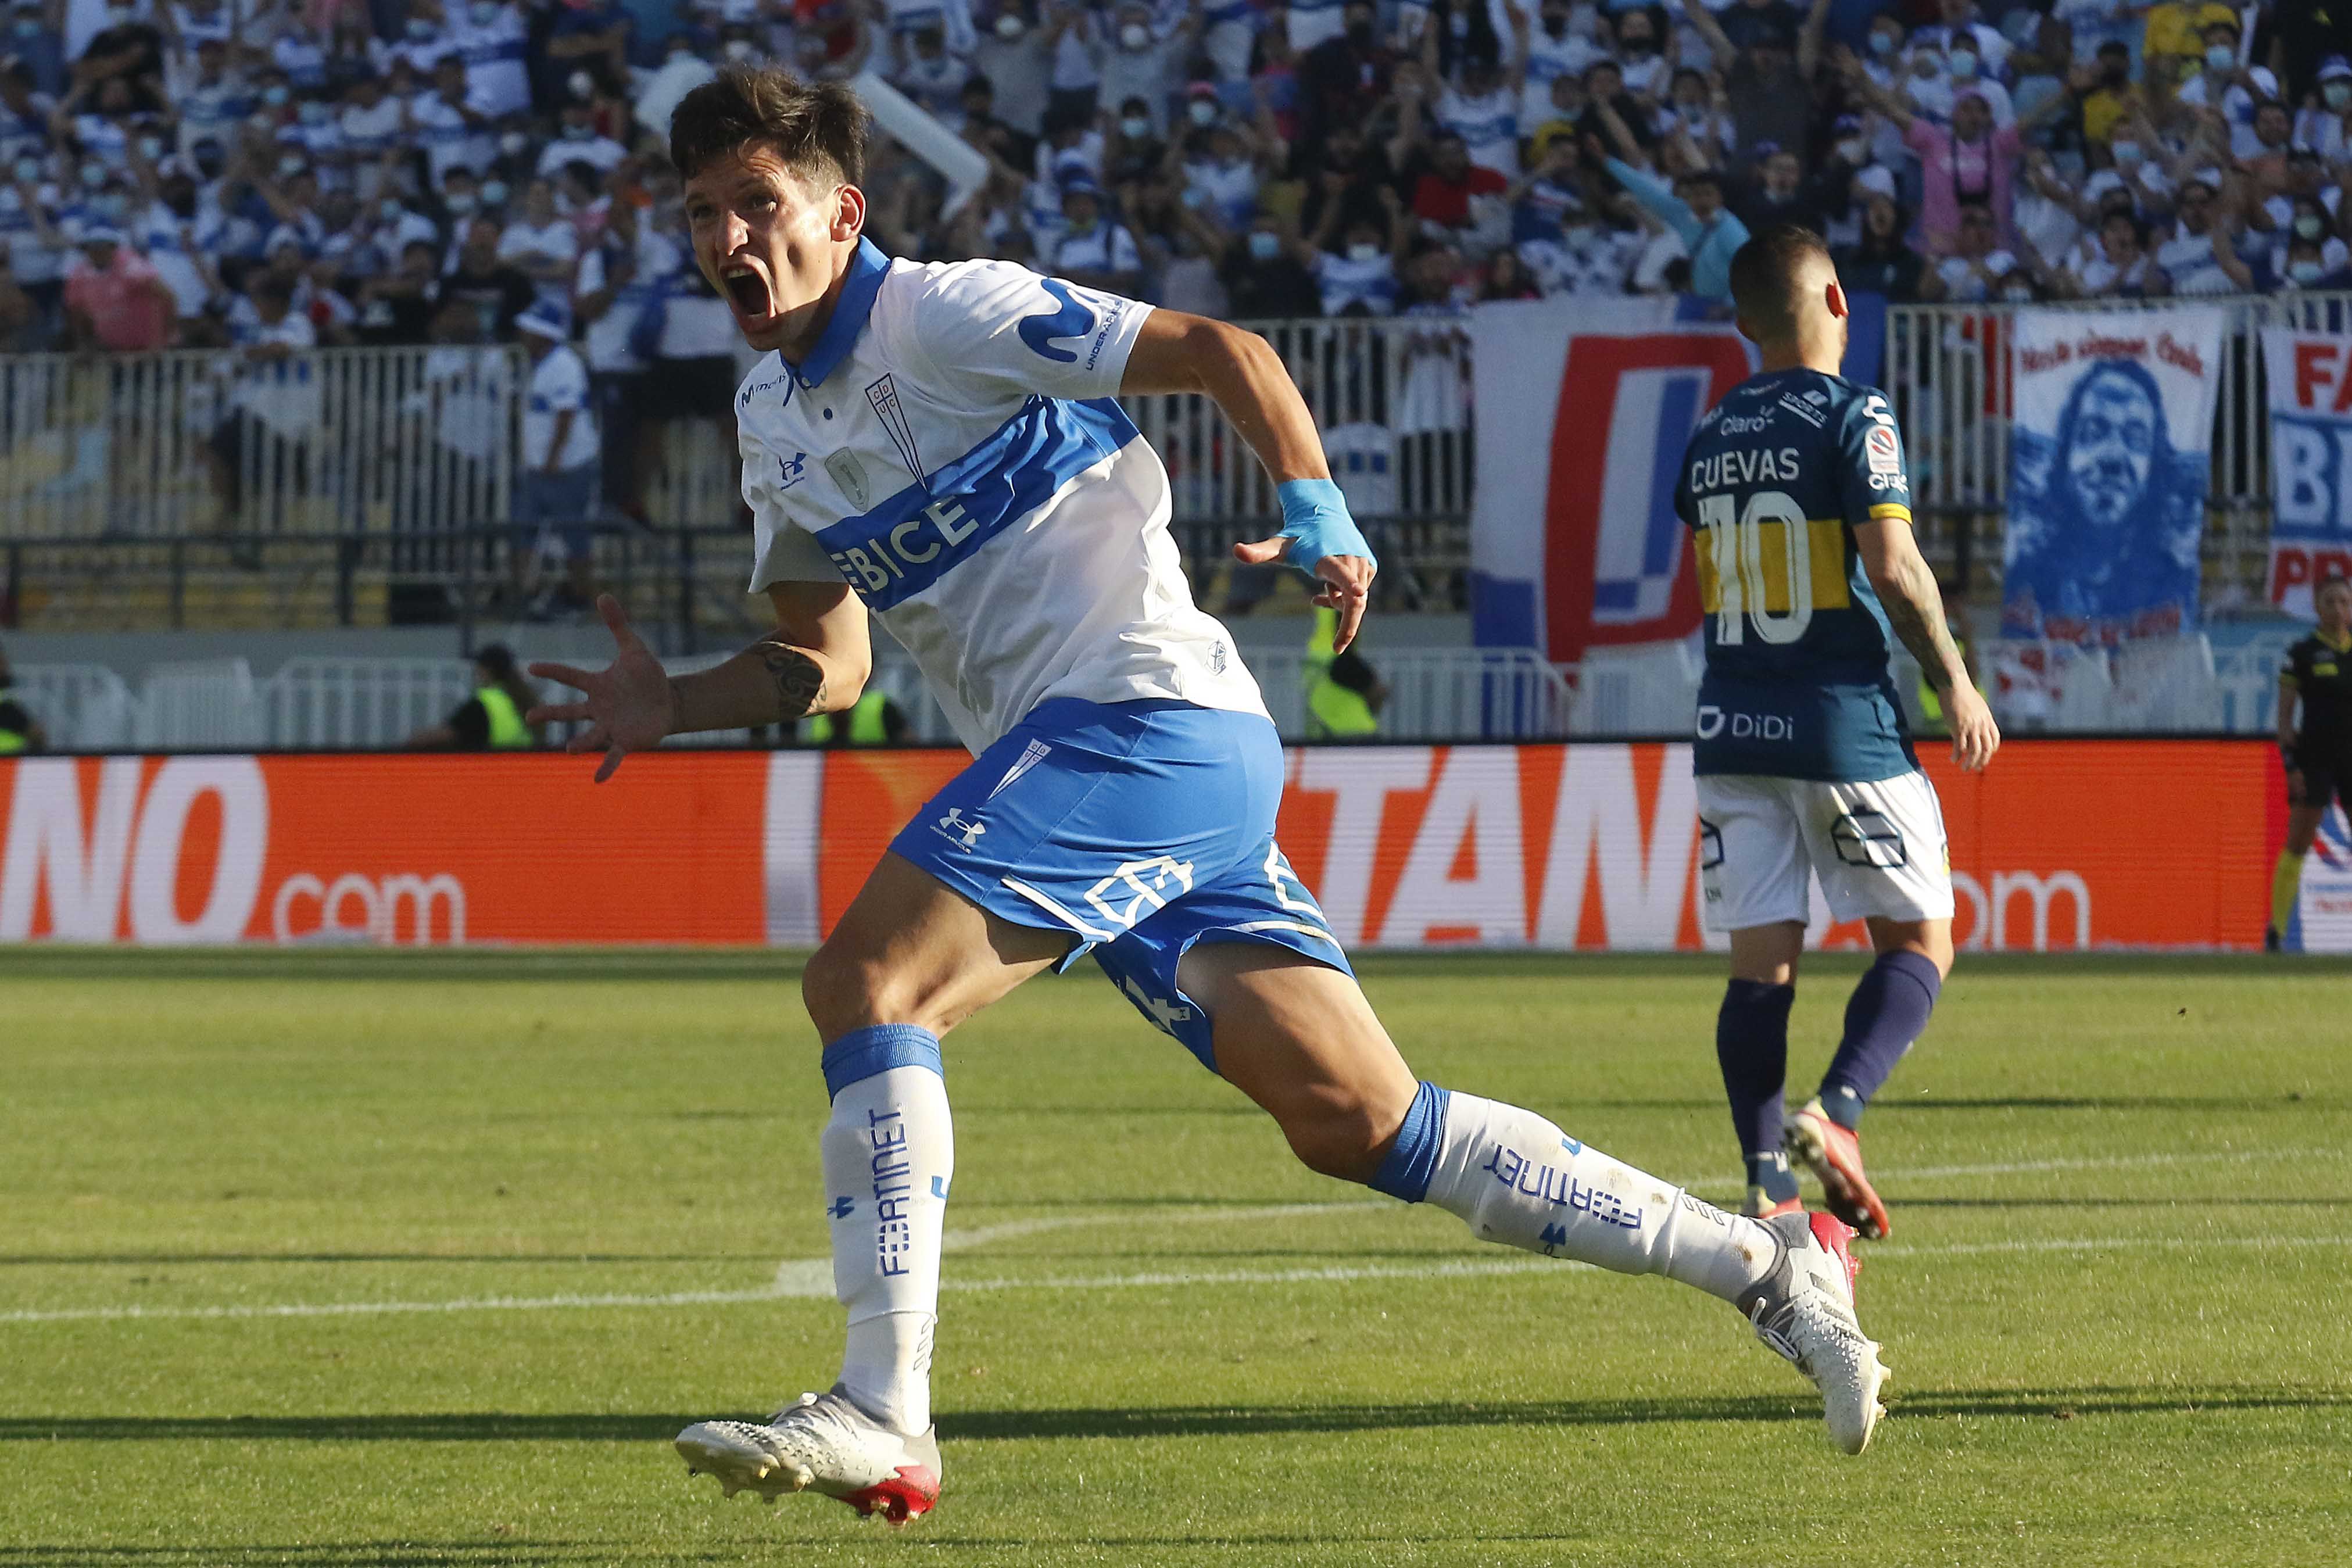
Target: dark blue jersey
[{"x": 1798, "y": 682}]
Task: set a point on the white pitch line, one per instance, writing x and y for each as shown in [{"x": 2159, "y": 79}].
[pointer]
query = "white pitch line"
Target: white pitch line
[
  {"x": 804, "y": 1279},
  {"x": 1445, "y": 1268}
]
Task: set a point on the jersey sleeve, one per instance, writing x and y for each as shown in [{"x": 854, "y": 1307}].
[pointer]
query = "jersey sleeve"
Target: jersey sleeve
[
  {"x": 992, "y": 330},
  {"x": 1873, "y": 480},
  {"x": 2294, "y": 670}
]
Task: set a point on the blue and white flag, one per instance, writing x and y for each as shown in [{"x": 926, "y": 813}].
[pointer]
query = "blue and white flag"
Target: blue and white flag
[{"x": 2110, "y": 459}]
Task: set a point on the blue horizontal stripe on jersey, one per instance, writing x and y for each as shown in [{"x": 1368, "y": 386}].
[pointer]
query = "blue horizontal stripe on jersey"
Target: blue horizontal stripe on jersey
[{"x": 909, "y": 542}]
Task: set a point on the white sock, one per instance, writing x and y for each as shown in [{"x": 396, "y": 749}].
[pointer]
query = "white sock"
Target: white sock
[
  {"x": 889, "y": 1154},
  {"x": 1518, "y": 1180}
]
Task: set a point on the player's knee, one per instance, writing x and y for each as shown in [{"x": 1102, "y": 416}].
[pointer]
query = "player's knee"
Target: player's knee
[
  {"x": 845, "y": 991},
  {"x": 1338, "y": 1137}
]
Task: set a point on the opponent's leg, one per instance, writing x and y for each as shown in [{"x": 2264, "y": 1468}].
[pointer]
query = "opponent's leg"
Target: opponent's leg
[
  {"x": 1300, "y": 1039},
  {"x": 1889, "y": 1011},
  {"x": 1752, "y": 1047},
  {"x": 910, "y": 959}
]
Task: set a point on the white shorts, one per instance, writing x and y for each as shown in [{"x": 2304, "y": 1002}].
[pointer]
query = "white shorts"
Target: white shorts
[{"x": 1879, "y": 849}]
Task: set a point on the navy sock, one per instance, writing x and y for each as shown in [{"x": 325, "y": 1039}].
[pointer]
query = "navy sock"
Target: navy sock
[
  {"x": 1751, "y": 1045},
  {"x": 1888, "y": 1011}
]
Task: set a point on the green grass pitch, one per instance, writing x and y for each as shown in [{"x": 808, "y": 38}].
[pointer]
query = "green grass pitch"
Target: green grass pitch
[{"x": 336, "y": 1259}]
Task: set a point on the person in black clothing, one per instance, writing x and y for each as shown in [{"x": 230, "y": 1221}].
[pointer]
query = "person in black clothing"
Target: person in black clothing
[
  {"x": 2316, "y": 750},
  {"x": 496, "y": 291},
  {"x": 1269, "y": 275},
  {"x": 399, "y": 307},
  {"x": 1342, "y": 80},
  {"x": 19, "y": 731},
  {"x": 1880, "y": 262}
]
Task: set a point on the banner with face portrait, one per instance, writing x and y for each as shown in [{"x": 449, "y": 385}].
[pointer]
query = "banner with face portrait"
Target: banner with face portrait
[{"x": 2110, "y": 459}]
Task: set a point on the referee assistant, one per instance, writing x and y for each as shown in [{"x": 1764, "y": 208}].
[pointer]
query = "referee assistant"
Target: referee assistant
[{"x": 2318, "y": 753}]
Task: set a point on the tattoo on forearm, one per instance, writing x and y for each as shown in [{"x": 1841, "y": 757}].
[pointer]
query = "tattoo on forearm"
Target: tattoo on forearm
[
  {"x": 799, "y": 684},
  {"x": 1915, "y": 610}
]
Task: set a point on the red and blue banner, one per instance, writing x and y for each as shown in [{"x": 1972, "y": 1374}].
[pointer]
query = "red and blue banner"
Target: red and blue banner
[{"x": 2311, "y": 462}]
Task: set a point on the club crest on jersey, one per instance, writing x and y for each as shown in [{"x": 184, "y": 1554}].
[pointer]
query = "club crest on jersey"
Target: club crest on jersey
[
  {"x": 883, "y": 396},
  {"x": 850, "y": 474},
  {"x": 1031, "y": 756}
]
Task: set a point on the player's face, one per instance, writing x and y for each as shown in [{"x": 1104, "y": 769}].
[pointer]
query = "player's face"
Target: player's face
[
  {"x": 774, "y": 243},
  {"x": 2113, "y": 447}
]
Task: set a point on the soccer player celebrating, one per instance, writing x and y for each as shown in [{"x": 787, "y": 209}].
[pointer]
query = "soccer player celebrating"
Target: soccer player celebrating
[
  {"x": 1795, "y": 487},
  {"x": 940, "y": 445},
  {"x": 2317, "y": 674}
]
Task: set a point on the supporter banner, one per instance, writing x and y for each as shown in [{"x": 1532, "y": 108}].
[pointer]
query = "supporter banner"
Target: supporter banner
[
  {"x": 2109, "y": 463},
  {"x": 1584, "y": 407},
  {"x": 2311, "y": 462},
  {"x": 2062, "y": 844}
]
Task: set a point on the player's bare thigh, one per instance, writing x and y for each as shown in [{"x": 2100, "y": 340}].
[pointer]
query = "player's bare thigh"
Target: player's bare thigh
[
  {"x": 910, "y": 949},
  {"x": 1299, "y": 1039},
  {"x": 1770, "y": 953}
]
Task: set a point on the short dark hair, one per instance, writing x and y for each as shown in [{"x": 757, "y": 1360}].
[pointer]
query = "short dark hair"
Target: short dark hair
[
  {"x": 1765, "y": 274},
  {"x": 814, "y": 127}
]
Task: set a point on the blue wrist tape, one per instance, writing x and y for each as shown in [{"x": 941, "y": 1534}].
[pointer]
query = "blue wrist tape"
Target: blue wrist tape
[{"x": 1315, "y": 519}]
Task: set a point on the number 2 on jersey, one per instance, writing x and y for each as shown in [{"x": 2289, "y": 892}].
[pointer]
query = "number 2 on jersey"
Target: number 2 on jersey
[{"x": 1737, "y": 544}]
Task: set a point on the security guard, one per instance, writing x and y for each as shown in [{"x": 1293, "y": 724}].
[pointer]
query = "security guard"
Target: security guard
[
  {"x": 491, "y": 720},
  {"x": 1344, "y": 696},
  {"x": 19, "y": 731},
  {"x": 874, "y": 721}
]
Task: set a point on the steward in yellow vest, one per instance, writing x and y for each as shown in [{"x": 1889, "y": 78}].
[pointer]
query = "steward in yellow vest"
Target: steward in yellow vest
[
  {"x": 874, "y": 721},
  {"x": 1343, "y": 693}
]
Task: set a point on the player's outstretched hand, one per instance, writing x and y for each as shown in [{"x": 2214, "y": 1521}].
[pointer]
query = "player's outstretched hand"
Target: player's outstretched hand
[
  {"x": 1344, "y": 583},
  {"x": 627, "y": 703},
  {"x": 1975, "y": 737}
]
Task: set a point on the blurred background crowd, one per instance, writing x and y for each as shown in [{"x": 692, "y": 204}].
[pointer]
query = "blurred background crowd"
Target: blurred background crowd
[{"x": 199, "y": 171}]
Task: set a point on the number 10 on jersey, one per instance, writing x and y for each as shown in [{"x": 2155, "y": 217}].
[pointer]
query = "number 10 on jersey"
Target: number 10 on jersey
[{"x": 1736, "y": 542}]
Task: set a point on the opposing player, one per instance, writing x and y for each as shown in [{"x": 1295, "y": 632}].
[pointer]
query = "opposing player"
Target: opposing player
[
  {"x": 939, "y": 445},
  {"x": 1796, "y": 488},
  {"x": 2315, "y": 745}
]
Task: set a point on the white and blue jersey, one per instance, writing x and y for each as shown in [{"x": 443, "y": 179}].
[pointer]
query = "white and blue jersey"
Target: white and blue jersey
[{"x": 953, "y": 449}]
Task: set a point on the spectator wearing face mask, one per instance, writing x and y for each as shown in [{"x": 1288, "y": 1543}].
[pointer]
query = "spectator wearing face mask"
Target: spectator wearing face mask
[
  {"x": 2305, "y": 267},
  {"x": 1018, "y": 62},
  {"x": 1558, "y": 49},
  {"x": 1137, "y": 60},
  {"x": 2325, "y": 127},
  {"x": 930, "y": 73},
  {"x": 115, "y": 299},
  {"x": 2309, "y": 222},
  {"x": 1268, "y": 273},
  {"x": 577, "y": 143},
  {"x": 540, "y": 245},
  {"x": 1962, "y": 33},
  {"x": 1070, "y": 32},
  {"x": 2227, "y": 83},
  {"x": 180, "y": 235},
  {"x": 1358, "y": 274},
  {"x": 1484, "y": 110},
  {"x": 1972, "y": 160},
  {"x": 1776, "y": 194},
  {"x": 2109, "y": 95}
]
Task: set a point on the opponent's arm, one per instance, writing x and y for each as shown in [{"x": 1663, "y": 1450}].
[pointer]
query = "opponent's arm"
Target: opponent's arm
[
  {"x": 1240, "y": 372},
  {"x": 816, "y": 661},
  {"x": 1915, "y": 608}
]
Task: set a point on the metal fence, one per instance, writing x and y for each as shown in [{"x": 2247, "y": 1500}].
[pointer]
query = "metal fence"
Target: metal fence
[{"x": 191, "y": 442}]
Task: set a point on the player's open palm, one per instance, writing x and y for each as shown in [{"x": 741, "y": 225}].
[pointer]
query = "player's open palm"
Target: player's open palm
[
  {"x": 1974, "y": 736},
  {"x": 627, "y": 704}
]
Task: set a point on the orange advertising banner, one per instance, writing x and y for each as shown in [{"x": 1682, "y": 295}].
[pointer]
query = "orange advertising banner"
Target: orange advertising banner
[{"x": 2062, "y": 844}]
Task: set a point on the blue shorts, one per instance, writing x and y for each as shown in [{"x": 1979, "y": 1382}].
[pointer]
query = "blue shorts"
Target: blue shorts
[{"x": 1138, "y": 827}]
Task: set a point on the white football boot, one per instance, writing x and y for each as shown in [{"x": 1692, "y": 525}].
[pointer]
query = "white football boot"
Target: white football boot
[
  {"x": 1805, "y": 1310},
  {"x": 822, "y": 1443}
]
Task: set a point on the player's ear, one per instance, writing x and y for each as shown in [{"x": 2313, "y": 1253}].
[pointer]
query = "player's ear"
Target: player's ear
[
  {"x": 1835, "y": 296},
  {"x": 848, "y": 213}
]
